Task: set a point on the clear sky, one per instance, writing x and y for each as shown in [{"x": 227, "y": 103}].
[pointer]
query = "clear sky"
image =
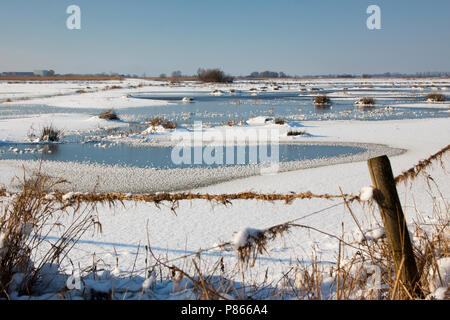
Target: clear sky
[{"x": 239, "y": 36}]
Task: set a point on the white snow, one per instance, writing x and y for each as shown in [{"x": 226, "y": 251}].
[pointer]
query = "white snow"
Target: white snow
[
  {"x": 245, "y": 237},
  {"x": 3, "y": 245},
  {"x": 188, "y": 99},
  {"x": 366, "y": 193},
  {"x": 372, "y": 235},
  {"x": 439, "y": 294},
  {"x": 440, "y": 277},
  {"x": 103, "y": 99},
  {"x": 148, "y": 283},
  {"x": 18, "y": 130},
  {"x": 423, "y": 105},
  {"x": 259, "y": 121},
  {"x": 49, "y": 196},
  {"x": 68, "y": 196}
]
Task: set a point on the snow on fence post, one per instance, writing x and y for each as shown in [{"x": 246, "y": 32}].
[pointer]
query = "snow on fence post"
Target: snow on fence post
[{"x": 386, "y": 196}]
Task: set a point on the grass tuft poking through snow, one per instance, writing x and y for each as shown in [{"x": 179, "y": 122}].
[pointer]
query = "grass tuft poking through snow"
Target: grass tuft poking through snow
[
  {"x": 291, "y": 133},
  {"x": 109, "y": 115},
  {"x": 50, "y": 134},
  {"x": 365, "y": 101},
  {"x": 435, "y": 97},
  {"x": 322, "y": 100}
]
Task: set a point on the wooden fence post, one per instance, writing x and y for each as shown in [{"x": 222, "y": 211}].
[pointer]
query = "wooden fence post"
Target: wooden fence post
[{"x": 394, "y": 222}]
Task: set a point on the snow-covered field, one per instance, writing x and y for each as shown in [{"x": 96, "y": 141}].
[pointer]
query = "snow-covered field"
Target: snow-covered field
[
  {"x": 15, "y": 130},
  {"x": 198, "y": 224}
]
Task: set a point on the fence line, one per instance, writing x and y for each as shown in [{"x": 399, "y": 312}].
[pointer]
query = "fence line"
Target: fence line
[
  {"x": 414, "y": 171},
  {"x": 156, "y": 198},
  {"x": 219, "y": 198}
]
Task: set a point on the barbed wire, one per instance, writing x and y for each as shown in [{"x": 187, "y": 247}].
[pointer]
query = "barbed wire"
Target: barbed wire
[
  {"x": 174, "y": 198},
  {"x": 219, "y": 198},
  {"x": 263, "y": 233},
  {"x": 414, "y": 171}
]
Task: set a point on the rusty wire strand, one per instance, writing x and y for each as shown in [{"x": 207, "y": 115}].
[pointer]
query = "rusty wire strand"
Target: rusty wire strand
[{"x": 174, "y": 198}]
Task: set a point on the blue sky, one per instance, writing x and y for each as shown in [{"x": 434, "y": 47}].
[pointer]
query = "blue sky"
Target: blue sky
[{"x": 239, "y": 36}]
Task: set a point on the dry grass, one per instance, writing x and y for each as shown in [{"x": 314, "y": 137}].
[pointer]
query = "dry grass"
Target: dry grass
[
  {"x": 366, "y": 101},
  {"x": 231, "y": 123},
  {"x": 174, "y": 198},
  {"x": 50, "y": 134},
  {"x": 296, "y": 133},
  {"x": 321, "y": 100},
  {"x": 26, "y": 219},
  {"x": 113, "y": 87},
  {"x": 414, "y": 171},
  {"x": 109, "y": 115},
  {"x": 436, "y": 97},
  {"x": 166, "y": 124}
]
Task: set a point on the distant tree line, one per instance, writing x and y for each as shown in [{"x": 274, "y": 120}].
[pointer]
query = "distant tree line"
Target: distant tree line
[
  {"x": 268, "y": 74},
  {"x": 217, "y": 75},
  {"x": 384, "y": 75},
  {"x": 407, "y": 75}
]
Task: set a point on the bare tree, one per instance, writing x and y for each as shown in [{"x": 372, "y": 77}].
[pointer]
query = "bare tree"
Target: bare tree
[{"x": 213, "y": 75}]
